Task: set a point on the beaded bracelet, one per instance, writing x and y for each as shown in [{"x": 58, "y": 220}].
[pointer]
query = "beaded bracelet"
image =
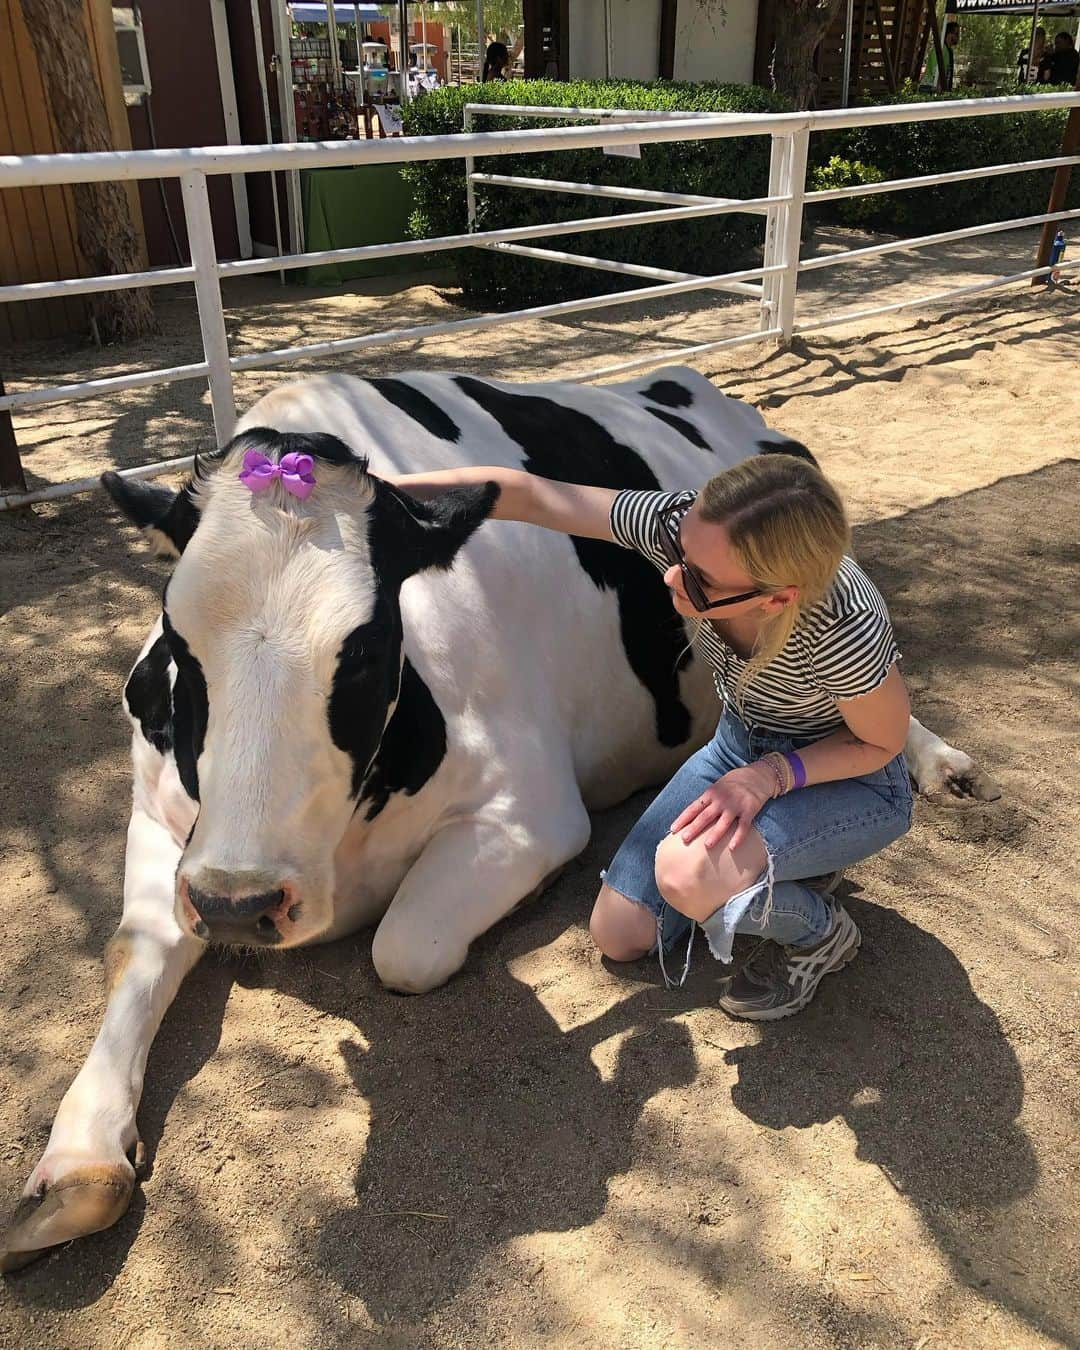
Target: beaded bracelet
[
  {"x": 788, "y": 770},
  {"x": 781, "y": 771}
]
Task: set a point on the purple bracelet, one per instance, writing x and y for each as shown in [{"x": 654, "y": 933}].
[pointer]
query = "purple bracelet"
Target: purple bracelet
[{"x": 798, "y": 768}]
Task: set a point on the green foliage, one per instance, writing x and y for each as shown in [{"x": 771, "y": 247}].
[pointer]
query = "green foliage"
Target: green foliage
[
  {"x": 735, "y": 167},
  {"x": 840, "y": 173},
  {"x": 500, "y": 16},
  {"x": 989, "y": 51},
  {"x": 909, "y": 150}
]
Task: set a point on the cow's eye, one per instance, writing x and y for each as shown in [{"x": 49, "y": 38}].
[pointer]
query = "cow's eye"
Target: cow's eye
[{"x": 355, "y": 660}]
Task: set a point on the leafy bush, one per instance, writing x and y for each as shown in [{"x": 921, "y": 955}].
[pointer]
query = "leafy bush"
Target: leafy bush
[
  {"x": 735, "y": 167},
  {"x": 857, "y": 212},
  {"x": 910, "y": 149}
]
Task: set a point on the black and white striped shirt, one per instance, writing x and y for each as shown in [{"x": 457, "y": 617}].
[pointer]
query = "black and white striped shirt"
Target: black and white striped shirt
[{"x": 842, "y": 647}]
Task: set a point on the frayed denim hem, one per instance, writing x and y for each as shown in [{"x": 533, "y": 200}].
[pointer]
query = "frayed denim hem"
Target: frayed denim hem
[
  {"x": 669, "y": 983},
  {"x": 719, "y": 927},
  {"x": 658, "y": 944}
]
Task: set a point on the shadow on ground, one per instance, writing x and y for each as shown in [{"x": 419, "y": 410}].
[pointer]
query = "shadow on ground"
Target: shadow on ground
[{"x": 506, "y": 1128}]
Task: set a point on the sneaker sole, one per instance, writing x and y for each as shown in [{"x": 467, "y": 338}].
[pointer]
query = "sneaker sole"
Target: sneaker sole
[{"x": 789, "y": 1010}]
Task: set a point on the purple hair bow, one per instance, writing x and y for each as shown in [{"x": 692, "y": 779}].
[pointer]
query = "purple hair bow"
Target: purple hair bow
[{"x": 295, "y": 472}]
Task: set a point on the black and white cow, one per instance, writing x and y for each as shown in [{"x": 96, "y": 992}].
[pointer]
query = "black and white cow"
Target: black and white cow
[{"x": 360, "y": 710}]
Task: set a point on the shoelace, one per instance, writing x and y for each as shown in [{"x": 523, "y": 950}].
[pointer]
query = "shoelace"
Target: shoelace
[{"x": 764, "y": 959}]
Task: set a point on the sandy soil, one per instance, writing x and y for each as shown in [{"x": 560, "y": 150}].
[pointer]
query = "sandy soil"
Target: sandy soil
[{"x": 549, "y": 1151}]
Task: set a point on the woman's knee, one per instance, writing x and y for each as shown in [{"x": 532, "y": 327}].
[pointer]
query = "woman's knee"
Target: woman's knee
[
  {"x": 621, "y": 929},
  {"x": 681, "y": 877},
  {"x": 697, "y": 881}
]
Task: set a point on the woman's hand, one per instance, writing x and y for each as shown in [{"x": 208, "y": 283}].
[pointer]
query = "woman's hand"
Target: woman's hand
[
  {"x": 733, "y": 800},
  {"x": 569, "y": 508}
]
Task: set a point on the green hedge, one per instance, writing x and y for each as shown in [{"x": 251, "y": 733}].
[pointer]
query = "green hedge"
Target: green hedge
[
  {"x": 736, "y": 167},
  {"x": 907, "y": 150}
]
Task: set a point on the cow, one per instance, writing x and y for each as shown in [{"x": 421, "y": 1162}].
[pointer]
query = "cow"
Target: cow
[{"x": 358, "y": 709}]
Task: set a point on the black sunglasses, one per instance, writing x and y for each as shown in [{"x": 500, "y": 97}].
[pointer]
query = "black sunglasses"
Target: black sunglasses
[{"x": 671, "y": 548}]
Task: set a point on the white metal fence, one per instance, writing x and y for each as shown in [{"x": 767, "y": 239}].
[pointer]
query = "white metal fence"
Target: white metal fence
[{"x": 774, "y": 284}]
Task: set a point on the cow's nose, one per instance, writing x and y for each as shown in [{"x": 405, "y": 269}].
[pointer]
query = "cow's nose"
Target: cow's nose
[{"x": 246, "y": 920}]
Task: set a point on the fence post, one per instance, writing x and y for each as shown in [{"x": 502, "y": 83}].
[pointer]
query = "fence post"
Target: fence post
[
  {"x": 200, "y": 228},
  {"x": 12, "y": 478},
  {"x": 794, "y": 185},
  {"x": 470, "y": 186},
  {"x": 778, "y": 150}
]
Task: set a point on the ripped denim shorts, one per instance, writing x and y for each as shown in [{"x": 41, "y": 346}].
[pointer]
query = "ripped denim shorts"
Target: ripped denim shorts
[{"x": 816, "y": 830}]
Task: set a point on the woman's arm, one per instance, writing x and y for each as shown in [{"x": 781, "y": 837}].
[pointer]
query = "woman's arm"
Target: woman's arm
[
  {"x": 875, "y": 730},
  {"x": 569, "y": 508},
  {"x": 876, "y": 727}
]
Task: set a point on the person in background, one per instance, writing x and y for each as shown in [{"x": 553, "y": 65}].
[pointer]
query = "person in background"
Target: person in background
[
  {"x": 496, "y": 60},
  {"x": 939, "y": 80},
  {"x": 1060, "y": 65},
  {"x": 1030, "y": 59}
]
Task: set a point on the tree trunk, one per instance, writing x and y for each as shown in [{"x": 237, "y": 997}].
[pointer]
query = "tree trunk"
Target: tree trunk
[
  {"x": 107, "y": 237},
  {"x": 800, "y": 26}
]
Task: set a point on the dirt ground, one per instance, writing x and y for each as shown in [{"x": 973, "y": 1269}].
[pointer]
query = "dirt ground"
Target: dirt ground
[{"x": 550, "y": 1151}]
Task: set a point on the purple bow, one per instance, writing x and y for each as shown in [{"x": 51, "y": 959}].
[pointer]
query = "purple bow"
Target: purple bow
[{"x": 295, "y": 472}]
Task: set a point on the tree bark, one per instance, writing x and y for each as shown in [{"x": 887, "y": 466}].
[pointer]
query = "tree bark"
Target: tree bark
[
  {"x": 106, "y": 232},
  {"x": 800, "y": 26}
]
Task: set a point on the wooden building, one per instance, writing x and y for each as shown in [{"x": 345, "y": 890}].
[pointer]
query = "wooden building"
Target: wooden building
[
  {"x": 37, "y": 225},
  {"x": 890, "y": 39}
]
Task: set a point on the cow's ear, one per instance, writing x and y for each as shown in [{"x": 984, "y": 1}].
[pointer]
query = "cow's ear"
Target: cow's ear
[
  {"x": 435, "y": 529},
  {"x": 166, "y": 518}
]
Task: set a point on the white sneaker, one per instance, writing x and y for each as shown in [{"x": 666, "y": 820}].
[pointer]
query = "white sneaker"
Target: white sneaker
[{"x": 778, "y": 981}]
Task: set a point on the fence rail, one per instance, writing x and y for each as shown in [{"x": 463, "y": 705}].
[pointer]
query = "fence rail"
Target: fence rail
[{"x": 773, "y": 285}]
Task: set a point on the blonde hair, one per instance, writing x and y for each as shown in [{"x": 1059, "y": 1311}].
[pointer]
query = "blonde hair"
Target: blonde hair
[{"x": 787, "y": 527}]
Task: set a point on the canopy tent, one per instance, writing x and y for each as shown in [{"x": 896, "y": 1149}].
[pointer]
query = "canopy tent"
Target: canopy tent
[
  {"x": 1061, "y": 9},
  {"x": 342, "y": 13}
]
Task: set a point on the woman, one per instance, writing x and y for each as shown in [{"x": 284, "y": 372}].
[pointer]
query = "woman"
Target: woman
[
  {"x": 804, "y": 775},
  {"x": 496, "y": 60}
]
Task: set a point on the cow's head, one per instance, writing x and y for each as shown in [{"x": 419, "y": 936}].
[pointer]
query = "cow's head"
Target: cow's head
[{"x": 282, "y": 617}]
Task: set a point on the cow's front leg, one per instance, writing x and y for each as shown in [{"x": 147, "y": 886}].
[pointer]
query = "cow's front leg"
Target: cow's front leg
[
  {"x": 469, "y": 876},
  {"x": 85, "y": 1179},
  {"x": 939, "y": 768}
]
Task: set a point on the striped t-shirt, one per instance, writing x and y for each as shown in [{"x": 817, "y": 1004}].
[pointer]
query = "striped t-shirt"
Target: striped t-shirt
[{"x": 842, "y": 647}]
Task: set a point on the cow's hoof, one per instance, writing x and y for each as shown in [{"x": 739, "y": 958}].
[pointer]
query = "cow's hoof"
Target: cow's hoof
[
  {"x": 967, "y": 785},
  {"x": 976, "y": 785},
  {"x": 84, "y": 1201},
  {"x": 951, "y": 777}
]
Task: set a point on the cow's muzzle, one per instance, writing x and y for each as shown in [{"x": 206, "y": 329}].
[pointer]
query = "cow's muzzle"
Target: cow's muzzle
[{"x": 244, "y": 921}]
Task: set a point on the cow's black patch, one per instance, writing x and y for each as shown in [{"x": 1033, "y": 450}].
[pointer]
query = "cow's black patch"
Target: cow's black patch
[
  {"x": 795, "y": 448},
  {"x": 571, "y": 447},
  {"x": 669, "y": 393},
  {"x": 149, "y": 698},
  {"x": 365, "y": 684},
  {"x": 191, "y": 709},
  {"x": 419, "y": 407},
  {"x": 413, "y": 745},
  {"x": 405, "y": 536},
  {"x": 682, "y": 426}
]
